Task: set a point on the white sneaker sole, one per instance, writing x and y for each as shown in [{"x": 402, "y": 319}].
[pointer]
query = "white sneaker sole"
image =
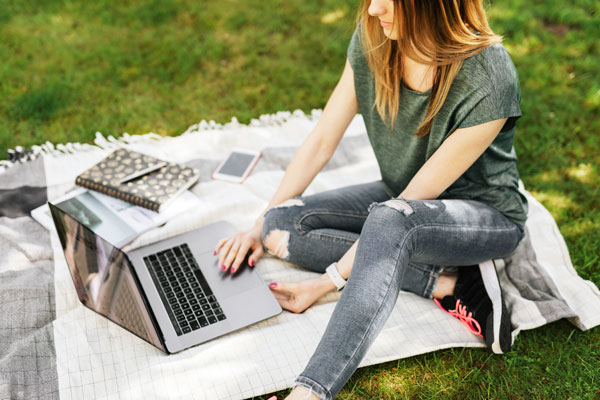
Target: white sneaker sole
[{"x": 499, "y": 328}]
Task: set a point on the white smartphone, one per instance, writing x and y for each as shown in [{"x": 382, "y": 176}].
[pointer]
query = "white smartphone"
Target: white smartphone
[{"x": 237, "y": 165}]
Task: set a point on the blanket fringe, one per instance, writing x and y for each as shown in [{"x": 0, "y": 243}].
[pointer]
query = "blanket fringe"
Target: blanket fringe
[{"x": 21, "y": 155}]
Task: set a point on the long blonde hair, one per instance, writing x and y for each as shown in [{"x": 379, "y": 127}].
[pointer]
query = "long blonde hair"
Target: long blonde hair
[{"x": 439, "y": 33}]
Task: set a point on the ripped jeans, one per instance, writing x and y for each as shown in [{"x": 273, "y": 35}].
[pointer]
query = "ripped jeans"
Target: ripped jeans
[{"x": 404, "y": 245}]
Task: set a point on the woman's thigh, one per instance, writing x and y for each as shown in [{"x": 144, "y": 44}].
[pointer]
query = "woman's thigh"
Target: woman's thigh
[
  {"x": 314, "y": 231},
  {"x": 424, "y": 236},
  {"x": 441, "y": 232}
]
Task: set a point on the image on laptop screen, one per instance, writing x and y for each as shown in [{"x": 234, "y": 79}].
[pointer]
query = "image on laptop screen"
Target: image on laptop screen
[{"x": 103, "y": 277}]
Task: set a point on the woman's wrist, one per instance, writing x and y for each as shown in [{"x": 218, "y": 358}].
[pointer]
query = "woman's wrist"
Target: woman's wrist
[
  {"x": 326, "y": 285},
  {"x": 259, "y": 223}
]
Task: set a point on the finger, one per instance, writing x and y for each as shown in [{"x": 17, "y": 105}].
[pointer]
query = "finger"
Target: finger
[
  {"x": 219, "y": 245},
  {"x": 235, "y": 247},
  {"x": 241, "y": 255},
  {"x": 226, "y": 250},
  {"x": 283, "y": 298},
  {"x": 256, "y": 255},
  {"x": 272, "y": 398},
  {"x": 282, "y": 286}
]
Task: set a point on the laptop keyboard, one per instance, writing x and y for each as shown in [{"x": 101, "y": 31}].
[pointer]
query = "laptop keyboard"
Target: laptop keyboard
[{"x": 183, "y": 289}]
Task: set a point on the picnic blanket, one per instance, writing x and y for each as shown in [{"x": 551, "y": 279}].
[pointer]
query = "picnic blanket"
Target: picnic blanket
[{"x": 53, "y": 347}]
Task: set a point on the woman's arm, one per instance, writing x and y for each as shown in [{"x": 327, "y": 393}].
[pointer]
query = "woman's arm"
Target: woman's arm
[
  {"x": 455, "y": 155},
  {"x": 311, "y": 157},
  {"x": 319, "y": 146}
]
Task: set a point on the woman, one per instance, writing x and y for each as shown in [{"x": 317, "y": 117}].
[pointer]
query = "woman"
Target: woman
[{"x": 440, "y": 97}]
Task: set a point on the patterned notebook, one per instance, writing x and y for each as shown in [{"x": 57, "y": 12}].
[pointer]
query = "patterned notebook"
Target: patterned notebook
[{"x": 153, "y": 191}]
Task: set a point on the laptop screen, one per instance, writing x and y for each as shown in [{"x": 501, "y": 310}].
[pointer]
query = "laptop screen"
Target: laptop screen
[{"x": 103, "y": 277}]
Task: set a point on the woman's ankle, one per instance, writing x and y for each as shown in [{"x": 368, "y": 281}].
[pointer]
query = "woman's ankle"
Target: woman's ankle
[
  {"x": 301, "y": 393},
  {"x": 444, "y": 286}
]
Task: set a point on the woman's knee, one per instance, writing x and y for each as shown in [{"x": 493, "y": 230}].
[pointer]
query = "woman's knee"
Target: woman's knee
[
  {"x": 276, "y": 242},
  {"x": 390, "y": 222},
  {"x": 401, "y": 205},
  {"x": 278, "y": 225},
  {"x": 393, "y": 214}
]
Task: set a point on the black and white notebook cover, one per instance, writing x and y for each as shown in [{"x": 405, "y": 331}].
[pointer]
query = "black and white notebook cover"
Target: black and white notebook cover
[{"x": 153, "y": 190}]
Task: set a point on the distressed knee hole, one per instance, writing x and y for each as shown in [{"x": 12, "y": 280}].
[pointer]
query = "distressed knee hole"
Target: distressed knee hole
[
  {"x": 276, "y": 243},
  {"x": 290, "y": 203},
  {"x": 400, "y": 205},
  {"x": 430, "y": 205}
]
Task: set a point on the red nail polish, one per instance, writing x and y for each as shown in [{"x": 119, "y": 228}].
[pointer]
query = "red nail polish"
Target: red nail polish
[
  {"x": 214, "y": 253},
  {"x": 232, "y": 270},
  {"x": 223, "y": 268},
  {"x": 273, "y": 285},
  {"x": 252, "y": 263}
]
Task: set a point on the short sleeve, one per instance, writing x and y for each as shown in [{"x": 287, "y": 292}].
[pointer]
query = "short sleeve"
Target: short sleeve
[
  {"x": 355, "y": 52},
  {"x": 496, "y": 92}
]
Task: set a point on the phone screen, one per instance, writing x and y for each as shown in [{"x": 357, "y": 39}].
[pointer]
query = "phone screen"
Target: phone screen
[{"x": 236, "y": 164}]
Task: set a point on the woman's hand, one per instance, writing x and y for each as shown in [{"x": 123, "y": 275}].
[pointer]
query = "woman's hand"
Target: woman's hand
[
  {"x": 236, "y": 247},
  {"x": 297, "y": 297}
]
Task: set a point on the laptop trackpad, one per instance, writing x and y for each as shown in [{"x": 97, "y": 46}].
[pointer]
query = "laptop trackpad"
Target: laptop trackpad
[{"x": 226, "y": 284}]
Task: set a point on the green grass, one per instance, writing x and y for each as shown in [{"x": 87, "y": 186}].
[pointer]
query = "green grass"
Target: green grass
[
  {"x": 160, "y": 66},
  {"x": 70, "y": 68}
]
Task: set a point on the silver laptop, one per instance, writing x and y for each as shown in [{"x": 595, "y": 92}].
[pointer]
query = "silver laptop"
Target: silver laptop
[{"x": 171, "y": 294}]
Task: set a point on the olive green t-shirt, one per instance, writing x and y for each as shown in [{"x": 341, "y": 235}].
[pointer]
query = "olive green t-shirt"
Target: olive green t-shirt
[{"x": 485, "y": 89}]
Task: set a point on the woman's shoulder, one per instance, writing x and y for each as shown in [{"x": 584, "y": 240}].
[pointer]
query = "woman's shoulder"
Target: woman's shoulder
[
  {"x": 491, "y": 67},
  {"x": 487, "y": 87},
  {"x": 494, "y": 52}
]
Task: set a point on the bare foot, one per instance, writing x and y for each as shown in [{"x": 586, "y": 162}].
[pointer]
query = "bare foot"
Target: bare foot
[{"x": 298, "y": 296}]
